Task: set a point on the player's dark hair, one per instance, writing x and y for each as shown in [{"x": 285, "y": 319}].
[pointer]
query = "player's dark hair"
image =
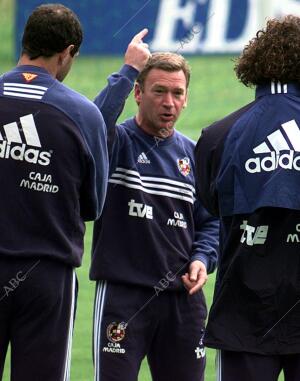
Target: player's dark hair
[
  {"x": 165, "y": 61},
  {"x": 273, "y": 55},
  {"x": 50, "y": 29}
]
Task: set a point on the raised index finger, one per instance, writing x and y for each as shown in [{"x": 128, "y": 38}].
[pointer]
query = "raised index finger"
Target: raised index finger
[{"x": 139, "y": 37}]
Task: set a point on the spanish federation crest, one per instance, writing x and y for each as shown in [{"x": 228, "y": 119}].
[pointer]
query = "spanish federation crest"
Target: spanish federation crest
[
  {"x": 184, "y": 166},
  {"x": 116, "y": 332}
]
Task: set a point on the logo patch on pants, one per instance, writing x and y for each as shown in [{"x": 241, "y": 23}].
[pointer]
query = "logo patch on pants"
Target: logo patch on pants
[{"x": 115, "y": 333}]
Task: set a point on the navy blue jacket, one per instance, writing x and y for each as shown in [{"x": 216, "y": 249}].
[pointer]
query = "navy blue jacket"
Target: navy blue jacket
[
  {"x": 53, "y": 164},
  {"x": 248, "y": 174},
  {"x": 152, "y": 224}
]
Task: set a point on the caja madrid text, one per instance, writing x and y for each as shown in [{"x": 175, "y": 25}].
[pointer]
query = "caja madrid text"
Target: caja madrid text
[{"x": 40, "y": 182}]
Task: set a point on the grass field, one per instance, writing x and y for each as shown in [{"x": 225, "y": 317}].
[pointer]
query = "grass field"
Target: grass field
[{"x": 213, "y": 93}]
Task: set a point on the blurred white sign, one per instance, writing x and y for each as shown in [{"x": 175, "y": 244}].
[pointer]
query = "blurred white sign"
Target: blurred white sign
[{"x": 210, "y": 36}]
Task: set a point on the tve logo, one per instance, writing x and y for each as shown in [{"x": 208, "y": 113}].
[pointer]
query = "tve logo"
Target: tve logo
[
  {"x": 254, "y": 235},
  {"x": 140, "y": 210},
  {"x": 14, "y": 147}
]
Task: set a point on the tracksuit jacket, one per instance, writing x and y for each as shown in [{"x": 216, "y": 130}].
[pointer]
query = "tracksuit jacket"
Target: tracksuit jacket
[
  {"x": 53, "y": 165},
  {"x": 248, "y": 174},
  {"x": 152, "y": 223}
]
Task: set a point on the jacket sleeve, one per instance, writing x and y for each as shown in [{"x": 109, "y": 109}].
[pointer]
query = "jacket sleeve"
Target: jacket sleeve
[
  {"x": 207, "y": 158},
  {"x": 111, "y": 100},
  {"x": 94, "y": 186},
  {"x": 206, "y": 241}
]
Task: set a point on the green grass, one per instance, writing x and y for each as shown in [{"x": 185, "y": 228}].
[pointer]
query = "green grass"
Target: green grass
[{"x": 214, "y": 92}]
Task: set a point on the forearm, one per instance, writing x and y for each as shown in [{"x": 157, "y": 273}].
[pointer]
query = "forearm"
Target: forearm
[
  {"x": 206, "y": 239},
  {"x": 111, "y": 100}
]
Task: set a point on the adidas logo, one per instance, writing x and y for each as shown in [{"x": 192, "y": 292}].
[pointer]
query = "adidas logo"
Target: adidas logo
[
  {"x": 21, "y": 151},
  {"x": 142, "y": 159},
  {"x": 287, "y": 139}
]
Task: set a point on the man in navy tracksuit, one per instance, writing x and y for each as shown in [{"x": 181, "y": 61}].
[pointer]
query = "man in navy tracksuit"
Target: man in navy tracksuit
[
  {"x": 53, "y": 165},
  {"x": 153, "y": 234},
  {"x": 248, "y": 172}
]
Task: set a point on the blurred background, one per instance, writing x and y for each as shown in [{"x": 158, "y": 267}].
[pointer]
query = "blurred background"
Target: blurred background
[
  {"x": 214, "y": 26},
  {"x": 209, "y": 33}
]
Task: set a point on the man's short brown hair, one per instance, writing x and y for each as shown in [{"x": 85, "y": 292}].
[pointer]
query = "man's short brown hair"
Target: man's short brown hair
[
  {"x": 165, "y": 61},
  {"x": 50, "y": 29}
]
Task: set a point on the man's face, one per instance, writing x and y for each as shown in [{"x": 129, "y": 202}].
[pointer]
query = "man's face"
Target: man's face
[{"x": 161, "y": 101}]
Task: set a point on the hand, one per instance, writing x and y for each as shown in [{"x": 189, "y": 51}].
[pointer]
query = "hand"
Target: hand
[
  {"x": 137, "y": 53},
  {"x": 196, "y": 278}
]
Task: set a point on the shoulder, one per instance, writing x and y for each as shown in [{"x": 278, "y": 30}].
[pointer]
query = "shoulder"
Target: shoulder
[
  {"x": 77, "y": 106},
  {"x": 185, "y": 140},
  {"x": 128, "y": 123},
  {"x": 83, "y": 113},
  {"x": 218, "y": 130},
  {"x": 127, "y": 127}
]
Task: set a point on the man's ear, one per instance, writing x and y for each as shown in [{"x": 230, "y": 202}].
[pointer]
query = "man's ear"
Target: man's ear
[
  {"x": 137, "y": 93},
  {"x": 66, "y": 53},
  {"x": 186, "y": 100}
]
